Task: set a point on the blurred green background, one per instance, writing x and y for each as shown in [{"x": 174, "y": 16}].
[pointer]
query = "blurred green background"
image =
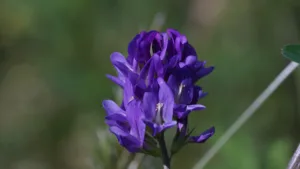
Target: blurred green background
[{"x": 54, "y": 55}]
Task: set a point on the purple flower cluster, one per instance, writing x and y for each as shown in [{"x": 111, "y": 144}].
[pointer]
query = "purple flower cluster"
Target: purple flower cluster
[{"x": 159, "y": 92}]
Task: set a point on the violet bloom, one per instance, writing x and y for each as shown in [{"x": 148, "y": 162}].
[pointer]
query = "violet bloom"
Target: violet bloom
[
  {"x": 158, "y": 78},
  {"x": 126, "y": 121},
  {"x": 158, "y": 108}
]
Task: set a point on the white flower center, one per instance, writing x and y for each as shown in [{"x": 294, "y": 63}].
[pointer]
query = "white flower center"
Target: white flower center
[{"x": 158, "y": 110}]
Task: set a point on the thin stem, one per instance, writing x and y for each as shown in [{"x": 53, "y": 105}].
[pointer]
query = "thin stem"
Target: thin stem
[
  {"x": 164, "y": 152},
  {"x": 246, "y": 115},
  {"x": 295, "y": 160}
]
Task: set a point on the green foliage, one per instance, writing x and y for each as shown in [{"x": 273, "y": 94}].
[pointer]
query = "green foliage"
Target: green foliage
[
  {"x": 292, "y": 52},
  {"x": 240, "y": 153}
]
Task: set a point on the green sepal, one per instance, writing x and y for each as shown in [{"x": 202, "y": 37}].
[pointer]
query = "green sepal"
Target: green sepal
[
  {"x": 151, "y": 146},
  {"x": 179, "y": 141},
  {"x": 152, "y": 152}
]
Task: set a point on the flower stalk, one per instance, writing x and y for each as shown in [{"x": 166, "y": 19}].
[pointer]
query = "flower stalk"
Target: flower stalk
[
  {"x": 164, "y": 152},
  {"x": 295, "y": 160}
]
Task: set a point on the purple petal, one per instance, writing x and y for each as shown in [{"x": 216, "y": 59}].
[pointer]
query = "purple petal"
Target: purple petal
[
  {"x": 203, "y": 136},
  {"x": 202, "y": 94},
  {"x": 183, "y": 39},
  {"x": 181, "y": 111},
  {"x": 189, "y": 109},
  {"x": 117, "y": 117},
  {"x": 145, "y": 69},
  {"x": 198, "y": 94},
  {"x": 135, "y": 65},
  {"x": 186, "y": 92},
  {"x": 131, "y": 143},
  {"x": 144, "y": 46},
  {"x": 128, "y": 94},
  {"x": 132, "y": 47},
  {"x": 195, "y": 107},
  {"x": 111, "y": 107},
  {"x": 174, "y": 61},
  {"x": 198, "y": 65},
  {"x": 165, "y": 45},
  {"x": 173, "y": 34},
  {"x": 178, "y": 40},
  {"x": 120, "y": 62},
  {"x": 137, "y": 84},
  {"x": 180, "y": 107},
  {"x": 166, "y": 97},
  {"x": 158, "y": 65},
  {"x": 180, "y": 114},
  {"x": 182, "y": 64},
  {"x": 118, "y": 120},
  {"x": 170, "y": 50},
  {"x": 203, "y": 72},
  {"x": 157, "y": 128},
  {"x": 116, "y": 80},
  {"x": 139, "y": 89},
  {"x": 188, "y": 49},
  {"x": 118, "y": 57},
  {"x": 147, "y": 73},
  {"x": 135, "y": 116},
  {"x": 190, "y": 60},
  {"x": 173, "y": 84},
  {"x": 117, "y": 131},
  {"x": 150, "y": 77},
  {"x": 149, "y": 105},
  {"x": 178, "y": 45},
  {"x": 182, "y": 125},
  {"x": 169, "y": 125}
]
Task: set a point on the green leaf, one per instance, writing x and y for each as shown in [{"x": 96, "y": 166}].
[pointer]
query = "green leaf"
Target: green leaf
[{"x": 292, "y": 52}]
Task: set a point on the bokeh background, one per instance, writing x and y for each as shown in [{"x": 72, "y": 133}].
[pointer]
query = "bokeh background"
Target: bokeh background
[{"x": 54, "y": 55}]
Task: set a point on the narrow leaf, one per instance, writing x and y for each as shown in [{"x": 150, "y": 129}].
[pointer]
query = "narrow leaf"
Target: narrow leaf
[{"x": 292, "y": 52}]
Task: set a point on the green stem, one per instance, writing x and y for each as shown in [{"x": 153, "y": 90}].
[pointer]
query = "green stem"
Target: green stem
[
  {"x": 295, "y": 161},
  {"x": 164, "y": 152}
]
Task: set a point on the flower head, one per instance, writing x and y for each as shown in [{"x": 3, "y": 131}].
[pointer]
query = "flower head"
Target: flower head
[{"x": 158, "y": 80}]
